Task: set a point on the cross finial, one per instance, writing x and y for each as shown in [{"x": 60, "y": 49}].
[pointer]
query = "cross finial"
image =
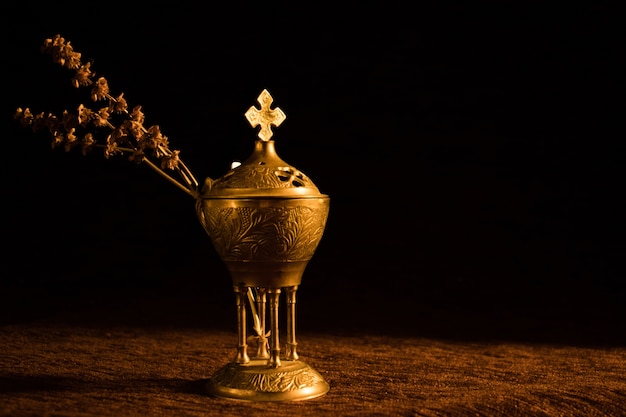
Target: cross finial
[{"x": 265, "y": 116}]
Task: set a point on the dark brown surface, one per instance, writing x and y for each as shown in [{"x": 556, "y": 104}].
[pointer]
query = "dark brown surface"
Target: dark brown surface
[
  {"x": 153, "y": 359},
  {"x": 77, "y": 371}
]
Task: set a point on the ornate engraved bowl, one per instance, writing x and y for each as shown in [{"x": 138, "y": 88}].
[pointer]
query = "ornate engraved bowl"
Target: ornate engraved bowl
[
  {"x": 265, "y": 219},
  {"x": 265, "y": 242}
]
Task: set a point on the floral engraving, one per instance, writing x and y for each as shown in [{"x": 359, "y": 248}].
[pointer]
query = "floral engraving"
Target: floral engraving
[
  {"x": 267, "y": 233},
  {"x": 231, "y": 376},
  {"x": 263, "y": 177}
]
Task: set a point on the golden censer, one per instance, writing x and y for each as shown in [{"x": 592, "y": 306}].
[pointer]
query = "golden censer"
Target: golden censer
[{"x": 265, "y": 219}]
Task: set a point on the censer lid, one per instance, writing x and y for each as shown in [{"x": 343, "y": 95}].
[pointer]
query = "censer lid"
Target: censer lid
[{"x": 264, "y": 173}]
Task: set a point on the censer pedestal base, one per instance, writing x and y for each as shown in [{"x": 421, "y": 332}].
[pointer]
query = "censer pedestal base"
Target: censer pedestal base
[{"x": 256, "y": 381}]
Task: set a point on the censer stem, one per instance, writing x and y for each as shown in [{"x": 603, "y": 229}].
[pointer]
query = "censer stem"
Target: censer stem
[
  {"x": 291, "y": 323},
  {"x": 242, "y": 347},
  {"x": 274, "y": 297}
]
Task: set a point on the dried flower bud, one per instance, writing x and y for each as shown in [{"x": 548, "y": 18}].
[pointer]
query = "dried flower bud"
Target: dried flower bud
[
  {"x": 171, "y": 161},
  {"x": 71, "y": 135},
  {"x": 72, "y": 60},
  {"x": 40, "y": 122},
  {"x": 85, "y": 115},
  {"x": 57, "y": 139},
  {"x": 111, "y": 148},
  {"x": 101, "y": 118},
  {"x": 70, "y": 140},
  {"x": 83, "y": 76},
  {"x": 136, "y": 129},
  {"x": 87, "y": 143},
  {"x": 100, "y": 90},
  {"x": 55, "y": 48},
  {"x": 154, "y": 139},
  {"x": 120, "y": 105},
  {"x": 24, "y": 116},
  {"x": 137, "y": 115}
]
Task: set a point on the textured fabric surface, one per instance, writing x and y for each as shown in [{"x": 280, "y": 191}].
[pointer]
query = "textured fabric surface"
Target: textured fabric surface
[{"x": 104, "y": 370}]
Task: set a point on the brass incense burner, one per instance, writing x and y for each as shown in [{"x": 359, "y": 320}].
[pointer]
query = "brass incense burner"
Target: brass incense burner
[{"x": 265, "y": 219}]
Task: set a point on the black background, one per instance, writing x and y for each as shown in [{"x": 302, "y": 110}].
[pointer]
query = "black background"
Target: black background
[{"x": 474, "y": 157}]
